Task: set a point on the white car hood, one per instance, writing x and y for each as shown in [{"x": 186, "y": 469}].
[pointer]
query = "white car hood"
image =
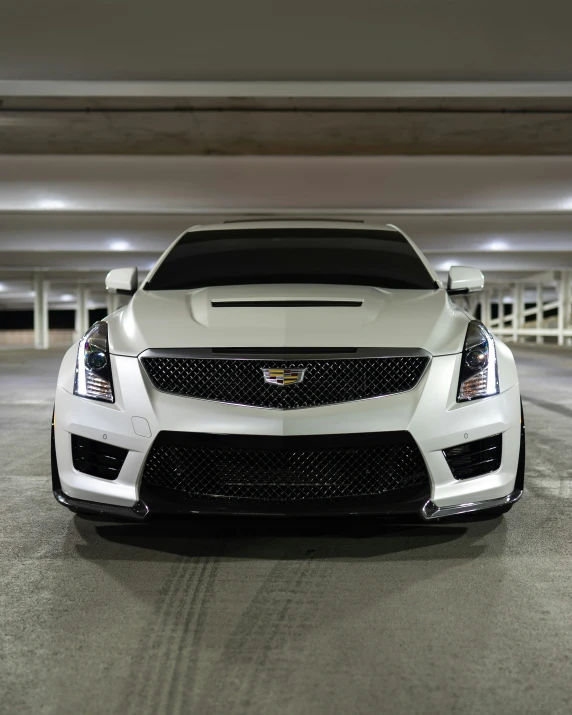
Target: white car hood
[{"x": 385, "y": 319}]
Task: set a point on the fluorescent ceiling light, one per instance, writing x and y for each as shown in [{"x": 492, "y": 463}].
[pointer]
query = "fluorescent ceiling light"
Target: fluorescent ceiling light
[
  {"x": 51, "y": 203},
  {"x": 447, "y": 265},
  {"x": 497, "y": 245},
  {"x": 119, "y": 245}
]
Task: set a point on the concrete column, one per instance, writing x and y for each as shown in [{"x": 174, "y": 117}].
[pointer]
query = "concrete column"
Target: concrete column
[
  {"x": 473, "y": 301},
  {"x": 81, "y": 313},
  {"x": 112, "y": 303},
  {"x": 539, "y": 311},
  {"x": 563, "y": 305},
  {"x": 517, "y": 310},
  {"x": 486, "y": 307},
  {"x": 495, "y": 300},
  {"x": 41, "y": 325},
  {"x": 500, "y": 297},
  {"x": 567, "y": 305}
]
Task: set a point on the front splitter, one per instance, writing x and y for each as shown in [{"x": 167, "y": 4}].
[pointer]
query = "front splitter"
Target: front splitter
[{"x": 432, "y": 511}]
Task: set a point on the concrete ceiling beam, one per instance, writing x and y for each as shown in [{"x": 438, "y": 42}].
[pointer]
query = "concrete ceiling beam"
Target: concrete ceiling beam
[
  {"x": 297, "y": 89},
  {"x": 339, "y": 132}
]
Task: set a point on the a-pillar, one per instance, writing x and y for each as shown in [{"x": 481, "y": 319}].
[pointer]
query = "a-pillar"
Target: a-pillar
[
  {"x": 41, "y": 325},
  {"x": 81, "y": 313}
]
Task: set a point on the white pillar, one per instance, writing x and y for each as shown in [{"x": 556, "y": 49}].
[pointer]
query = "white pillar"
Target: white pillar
[
  {"x": 486, "y": 307},
  {"x": 41, "y": 325},
  {"x": 567, "y": 304},
  {"x": 473, "y": 301},
  {"x": 494, "y": 299},
  {"x": 112, "y": 303},
  {"x": 517, "y": 310},
  {"x": 563, "y": 305},
  {"x": 539, "y": 311},
  {"x": 81, "y": 313},
  {"x": 500, "y": 307}
]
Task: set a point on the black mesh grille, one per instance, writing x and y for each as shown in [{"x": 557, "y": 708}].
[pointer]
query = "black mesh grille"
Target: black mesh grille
[
  {"x": 231, "y": 467},
  {"x": 476, "y": 458},
  {"x": 325, "y": 381}
]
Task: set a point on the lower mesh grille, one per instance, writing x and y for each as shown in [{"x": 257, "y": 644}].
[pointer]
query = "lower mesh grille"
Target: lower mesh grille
[
  {"x": 232, "y": 467},
  {"x": 98, "y": 459},
  {"x": 474, "y": 459}
]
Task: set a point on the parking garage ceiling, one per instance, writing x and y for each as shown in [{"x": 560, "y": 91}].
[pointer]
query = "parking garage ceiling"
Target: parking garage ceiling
[
  {"x": 410, "y": 40},
  {"x": 81, "y": 216},
  {"x": 119, "y": 130}
]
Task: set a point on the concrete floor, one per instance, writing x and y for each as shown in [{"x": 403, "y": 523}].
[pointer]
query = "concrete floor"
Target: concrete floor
[{"x": 259, "y": 617}]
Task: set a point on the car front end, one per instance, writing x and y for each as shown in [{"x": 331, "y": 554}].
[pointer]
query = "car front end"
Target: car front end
[{"x": 288, "y": 399}]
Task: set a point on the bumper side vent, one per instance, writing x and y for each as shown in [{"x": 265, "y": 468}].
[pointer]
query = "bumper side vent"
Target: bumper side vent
[
  {"x": 474, "y": 459},
  {"x": 97, "y": 459}
]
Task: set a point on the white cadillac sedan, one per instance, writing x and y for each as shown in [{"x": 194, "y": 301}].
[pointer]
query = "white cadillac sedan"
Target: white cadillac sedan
[{"x": 289, "y": 368}]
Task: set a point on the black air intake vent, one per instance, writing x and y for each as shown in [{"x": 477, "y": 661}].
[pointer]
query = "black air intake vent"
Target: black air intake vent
[
  {"x": 98, "y": 459},
  {"x": 474, "y": 459},
  {"x": 282, "y": 469},
  {"x": 286, "y": 303}
]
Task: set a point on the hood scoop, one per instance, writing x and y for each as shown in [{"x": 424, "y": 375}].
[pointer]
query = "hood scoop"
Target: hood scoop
[{"x": 286, "y": 303}]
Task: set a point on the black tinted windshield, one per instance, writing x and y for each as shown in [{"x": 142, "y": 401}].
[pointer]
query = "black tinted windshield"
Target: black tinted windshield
[{"x": 380, "y": 258}]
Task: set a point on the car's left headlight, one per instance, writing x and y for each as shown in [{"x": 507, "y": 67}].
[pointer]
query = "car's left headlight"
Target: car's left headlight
[
  {"x": 479, "y": 372},
  {"x": 93, "y": 368}
]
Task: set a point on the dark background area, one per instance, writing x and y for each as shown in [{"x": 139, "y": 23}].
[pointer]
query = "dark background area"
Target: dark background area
[{"x": 59, "y": 319}]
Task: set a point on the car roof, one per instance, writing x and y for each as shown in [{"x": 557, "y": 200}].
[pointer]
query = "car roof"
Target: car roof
[{"x": 240, "y": 224}]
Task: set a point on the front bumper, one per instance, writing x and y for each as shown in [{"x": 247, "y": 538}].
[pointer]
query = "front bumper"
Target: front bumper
[
  {"x": 141, "y": 510},
  {"x": 429, "y": 413}
]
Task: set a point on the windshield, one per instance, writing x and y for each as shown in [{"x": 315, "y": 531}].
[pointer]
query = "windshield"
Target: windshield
[{"x": 380, "y": 258}]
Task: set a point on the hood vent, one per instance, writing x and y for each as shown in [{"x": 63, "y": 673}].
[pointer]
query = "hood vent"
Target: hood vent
[{"x": 286, "y": 303}]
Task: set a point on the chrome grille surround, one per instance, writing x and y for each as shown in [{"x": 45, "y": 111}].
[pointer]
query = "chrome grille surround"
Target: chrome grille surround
[{"x": 330, "y": 376}]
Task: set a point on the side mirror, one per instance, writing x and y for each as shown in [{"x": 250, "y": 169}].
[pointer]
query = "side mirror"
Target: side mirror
[
  {"x": 122, "y": 280},
  {"x": 463, "y": 279}
]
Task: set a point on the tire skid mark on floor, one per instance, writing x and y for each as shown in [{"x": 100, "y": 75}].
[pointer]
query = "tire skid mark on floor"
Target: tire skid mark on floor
[
  {"x": 143, "y": 673},
  {"x": 252, "y": 661},
  {"x": 182, "y": 688},
  {"x": 189, "y": 586},
  {"x": 178, "y": 605}
]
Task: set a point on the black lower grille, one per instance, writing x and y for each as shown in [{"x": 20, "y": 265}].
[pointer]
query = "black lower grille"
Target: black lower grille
[
  {"x": 285, "y": 384},
  {"x": 236, "y": 467},
  {"x": 474, "y": 459},
  {"x": 98, "y": 459}
]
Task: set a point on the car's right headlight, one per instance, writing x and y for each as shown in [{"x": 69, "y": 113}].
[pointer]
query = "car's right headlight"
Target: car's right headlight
[
  {"x": 93, "y": 368},
  {"x": 479, "y": 371}
]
